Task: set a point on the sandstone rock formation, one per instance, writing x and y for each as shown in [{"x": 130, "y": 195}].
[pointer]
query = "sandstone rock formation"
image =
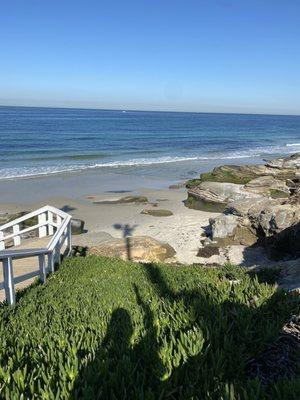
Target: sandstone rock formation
[
  {"x": 220, "y": 192},
  {"x": 278, "y": 178},
  {"x": 138, "y": 248},
  {"x": 261, "y": 216}
]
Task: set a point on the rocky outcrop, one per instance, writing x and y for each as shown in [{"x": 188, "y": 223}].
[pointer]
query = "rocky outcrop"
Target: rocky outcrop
[
  {"x": 231, "y": 229},
  {"x": 268, "y": 186},
  {"x": 138, "y": 248},
  {"x": 279, "y": 178},
  {"x": 244, "y": 208},
  {"x": 263, "y": 213},
  {"x": 220, "y": 192},
  {"x": 292, "y": 162}
]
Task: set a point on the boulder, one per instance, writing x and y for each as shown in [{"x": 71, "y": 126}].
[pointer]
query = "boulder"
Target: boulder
[
  {"x": 223, "y": 226},
  {"x": 77, "y": 226},
  {"x": 125, "y": 200},
  {"x": 246, "y": 207},
  {"x": 275, "y": 218},
  {"x": 157, "y": 213},
  {"x": 268, "y": 186},
  {"x": 208, "y": 251},
  {"x": 290, "y": 275},
  {"x": 220, "y": 192},
  {"x": 138, "y": 248},
  {"x": 290, "y": 162},
  {"x": 285, "y": 244},
  {"x": 242, "y": 174},
  {"x": 239, "y": 174},
  {"x": 231, "y": 229}
]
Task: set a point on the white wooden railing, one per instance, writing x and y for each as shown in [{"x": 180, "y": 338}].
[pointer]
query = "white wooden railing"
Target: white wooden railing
[{"x": 51, "y": 222}]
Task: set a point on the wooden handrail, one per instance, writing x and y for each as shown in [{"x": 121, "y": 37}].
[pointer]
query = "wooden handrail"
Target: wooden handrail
[
  {"x": 32, "y": 214},
  {"x": 24, "y": 253},
  {"x": 58, "y": 234},
  {"x": 52, "y": 250},
  {"x": 29, "y": 229}
]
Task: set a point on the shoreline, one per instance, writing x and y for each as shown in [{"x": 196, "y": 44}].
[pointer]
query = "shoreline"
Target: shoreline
[
  {"x": 84, "y": 194},
  {"x": 78, "y": 183}
]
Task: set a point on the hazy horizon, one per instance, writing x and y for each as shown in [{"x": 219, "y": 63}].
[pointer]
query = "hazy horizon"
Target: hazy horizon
[{"x": 146, "y": 110}]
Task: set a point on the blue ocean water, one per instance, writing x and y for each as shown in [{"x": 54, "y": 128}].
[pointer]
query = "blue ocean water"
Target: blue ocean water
[{"x": 41, "y": 141}]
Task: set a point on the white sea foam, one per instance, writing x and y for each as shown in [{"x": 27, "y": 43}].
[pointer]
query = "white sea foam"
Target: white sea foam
[
  {"x": 292, "y": 144},
  {"x": 27, "y": 172}
]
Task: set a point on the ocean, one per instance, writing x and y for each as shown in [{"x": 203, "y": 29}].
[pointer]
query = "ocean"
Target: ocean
[{"x": 173, "y": 145}]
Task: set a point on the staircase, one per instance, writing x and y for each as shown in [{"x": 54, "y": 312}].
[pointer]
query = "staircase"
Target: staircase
[{"x": 30, "y": 246}]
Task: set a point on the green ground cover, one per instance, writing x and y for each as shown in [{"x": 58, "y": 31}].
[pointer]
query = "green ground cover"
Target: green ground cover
[{"x": 107, "y": 329}]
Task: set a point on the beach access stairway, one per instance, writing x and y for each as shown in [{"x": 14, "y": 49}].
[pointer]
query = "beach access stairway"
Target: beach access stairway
[{"x": 30, "y": 246}]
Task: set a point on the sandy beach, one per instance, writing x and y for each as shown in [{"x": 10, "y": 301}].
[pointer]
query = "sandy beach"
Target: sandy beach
[{"x": 182, "y": 230}]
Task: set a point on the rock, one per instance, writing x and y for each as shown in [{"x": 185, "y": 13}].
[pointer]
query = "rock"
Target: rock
[
  {"x": 79, "y": 251},
  {"x": 220, "y": 192},
  {"x": 77, "y": 226},
  {"x": 223, "y": 226},
  {"x": 261, "y": 207},
  {"x": 124, "y": 200},
  {"x": 141, "y": 248},
  {"x": 275, "y": 218},
  {"x": 208, "y": 251},
  {"x": 177, "y": 186},
  {"x": 242, "y": 207},
  {"x": 290, "y": 275},
  {"x": 285, "y": 244},
  {"x": 196, "y": 203},
  {"x": 290, "y": 162},
  {"x": 242, "y": 174},
  {"x": 192, "y": 183},
  {"x": 239, "y": 174},
  {"x": 267, "y": 186},
  {"x": 231, "y": 229},
  {"x": 157, "y": 213}
]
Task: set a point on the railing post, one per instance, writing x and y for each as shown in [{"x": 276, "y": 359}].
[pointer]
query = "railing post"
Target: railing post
[
  {"x": 9, "y": 281},
  {"x": 58, "y": 220},
  {"x": 2, "y": 242},
  {"x": 43, "y": 229},
  {"x": 17, "y": 238},
  {"x": 51, "y": 262},
  {"x": 57, "y": 253},
  {"x": 42, "y": 267},
  {"x": 50, "y": 219},
  {"x": 69, "y": 238}
]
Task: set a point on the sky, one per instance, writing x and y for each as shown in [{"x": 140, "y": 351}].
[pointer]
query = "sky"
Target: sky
[{"x": 177, "y": 55}]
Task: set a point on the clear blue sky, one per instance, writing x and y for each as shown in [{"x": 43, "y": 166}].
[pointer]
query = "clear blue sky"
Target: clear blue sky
[{"x": 189, "y": 55}]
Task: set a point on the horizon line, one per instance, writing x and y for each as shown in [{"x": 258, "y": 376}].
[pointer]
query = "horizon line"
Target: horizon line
[{"x": 154, "y": 111}]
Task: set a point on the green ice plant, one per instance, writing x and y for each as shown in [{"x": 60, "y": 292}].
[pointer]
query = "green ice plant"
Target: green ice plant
[{"x": 105, "y": 328}]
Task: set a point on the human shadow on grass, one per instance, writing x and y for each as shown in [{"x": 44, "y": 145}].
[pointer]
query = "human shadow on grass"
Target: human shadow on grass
[
  {"x": 239, "y": 339},
  {"x": 235, "y": 335},
  {"x": 120, "y": 369}
]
